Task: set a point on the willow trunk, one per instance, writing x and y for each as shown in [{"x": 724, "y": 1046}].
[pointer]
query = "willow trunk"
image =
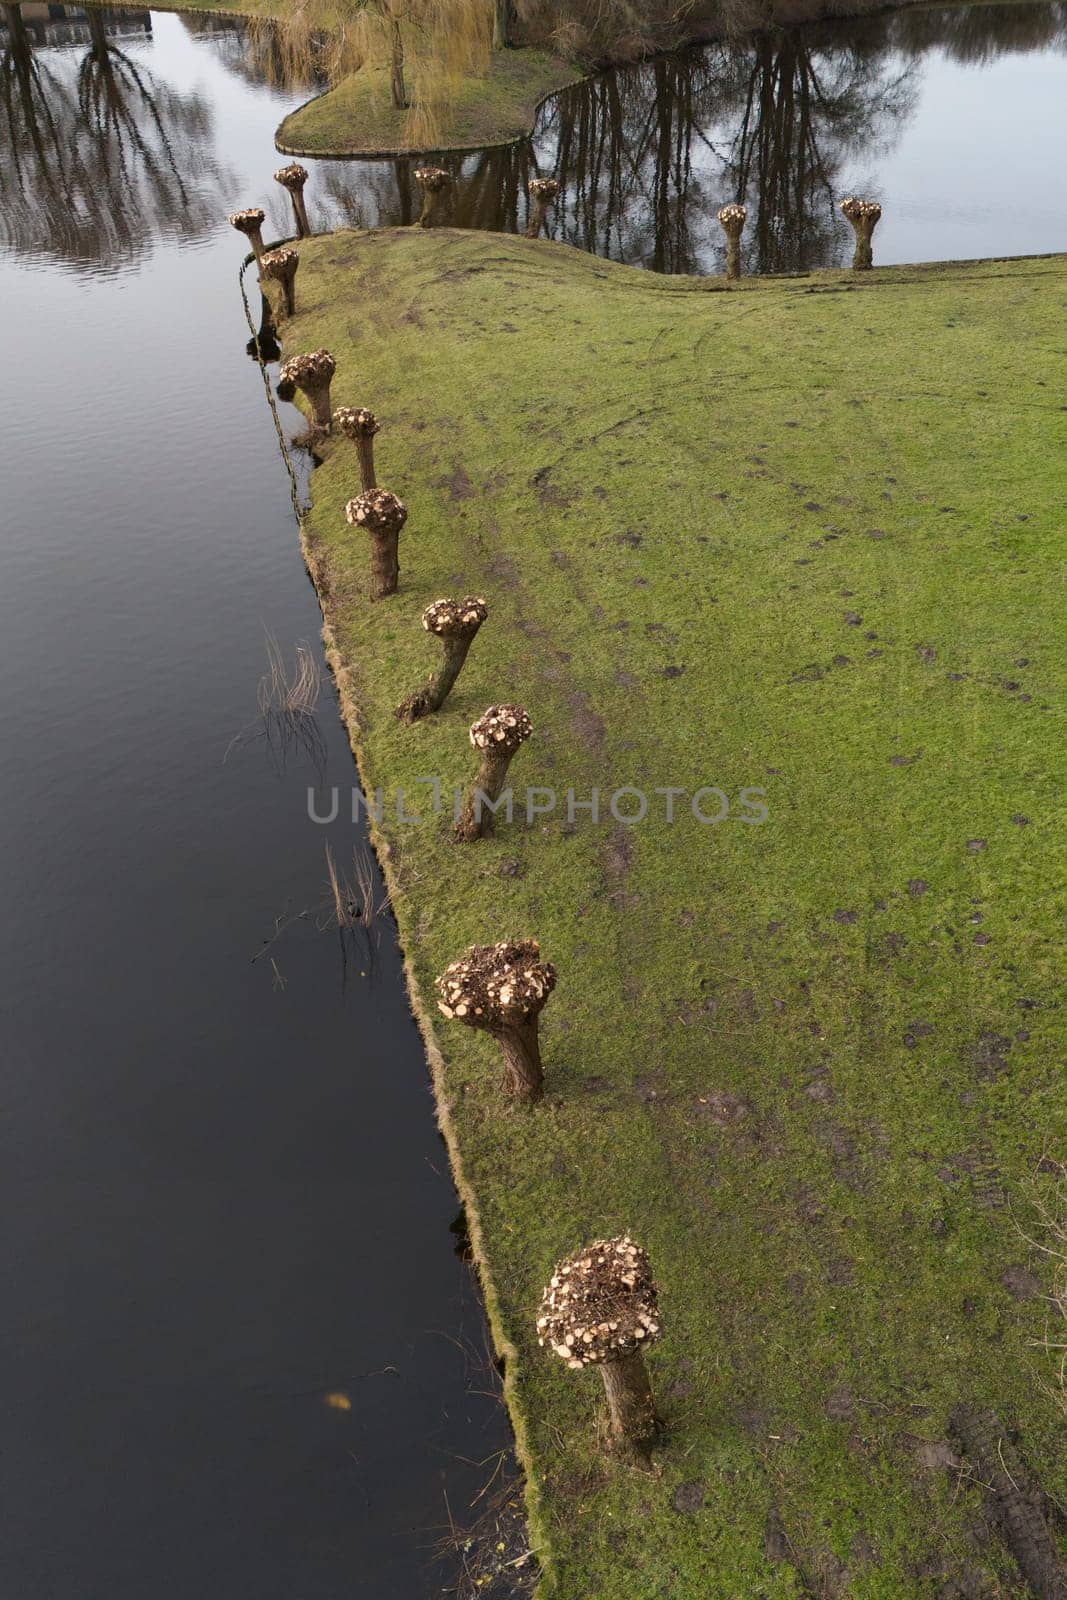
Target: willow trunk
[
  {"x": 432, "y": 696},
  {"x": 863, "y": 258},
  {"x": 303, "y": 226},
  {"x": 288, "y": 283},
  {"x": 537, "y": 218},
  {"x": 476, "y": 818},
  {"x": 631, "y": 1409},
  {"x": 384, "y": 562},
  {"x": 319, "y": 401},
  {"x": 399, "y": 88},
  {"x": 365, "y": 451},
  {"x": 524, "y": 1076},
  {"x": 433, "y": 208}
]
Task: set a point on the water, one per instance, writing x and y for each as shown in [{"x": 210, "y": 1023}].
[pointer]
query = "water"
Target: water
[
  {"x": 239, "y": 1355},
  {"x": 224, "y": 1197},
  {"x": 952, "y": 117}
]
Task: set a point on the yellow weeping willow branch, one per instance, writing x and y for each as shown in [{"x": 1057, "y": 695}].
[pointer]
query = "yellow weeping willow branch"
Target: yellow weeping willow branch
[{"x": 418, "y": 51}]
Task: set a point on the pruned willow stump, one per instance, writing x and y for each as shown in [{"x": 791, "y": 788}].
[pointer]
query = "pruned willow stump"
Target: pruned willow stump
[
  {"x": 498, "y": 733},
  {"x": 360, "y": 425},
  {"x": 502, "y": 989},
  {"x": 434, "y": 183},
  {"x": 312, "y": 374},
  {"x": 601, "y": 1309},
  {"x": 455, "y": 623},
  {"x": 292, "y": 179},
  {"x": 382, "y": 515},
  {"x": 250, "y": 223},
  {"x": 732, "y": 221},
  {"x": 864, "y": 216},
  {"x": 279, "y": 266},
  {"x": 542, "y": 192}
]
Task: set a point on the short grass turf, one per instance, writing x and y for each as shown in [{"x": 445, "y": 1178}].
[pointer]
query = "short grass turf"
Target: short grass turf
[
  {"x": 358, "y": 117},
  {"x": 804, "y": 537}
]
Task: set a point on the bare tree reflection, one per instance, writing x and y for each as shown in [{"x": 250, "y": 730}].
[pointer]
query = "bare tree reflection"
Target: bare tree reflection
[
  {"x": 804, "y": 110},
  {"x": 97, "y": 156},
  {"x": 782, "y": 123}
]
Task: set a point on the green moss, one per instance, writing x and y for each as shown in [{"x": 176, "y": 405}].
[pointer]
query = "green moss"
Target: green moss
[
  {"x": 358, "y": 116},
  {"x": 799, "y": 536}
]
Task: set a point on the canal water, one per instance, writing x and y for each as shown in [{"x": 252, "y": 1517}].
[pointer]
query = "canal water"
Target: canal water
[{"x": 240, "y": 1355}]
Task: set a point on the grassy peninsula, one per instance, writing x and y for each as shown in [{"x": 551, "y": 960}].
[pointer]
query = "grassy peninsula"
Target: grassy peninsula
[
  {"x": 798, "y": 537},
  {"x": 357, "y": 116}
]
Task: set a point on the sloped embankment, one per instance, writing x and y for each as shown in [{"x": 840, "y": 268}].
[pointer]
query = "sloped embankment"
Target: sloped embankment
[{"x": 797, "y": 538}]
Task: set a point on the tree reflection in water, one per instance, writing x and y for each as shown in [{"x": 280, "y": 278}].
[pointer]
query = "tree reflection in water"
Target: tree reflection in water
[
  {"x": 97, "y": 156},
  {"x": 780, "y": 123}
]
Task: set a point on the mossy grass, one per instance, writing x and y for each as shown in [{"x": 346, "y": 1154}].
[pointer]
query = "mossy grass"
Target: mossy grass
[
  {"x": 800, "y": 536},
  {"x": 357, "y": 116}
]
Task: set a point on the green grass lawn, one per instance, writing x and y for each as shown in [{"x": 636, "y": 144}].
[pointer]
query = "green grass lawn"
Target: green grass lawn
[
  {"x": 358, "y": 117},
  {"x": 802, "y": 537}
]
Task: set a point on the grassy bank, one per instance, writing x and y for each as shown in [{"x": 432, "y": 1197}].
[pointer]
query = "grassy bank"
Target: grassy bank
[
  {"x": 797, "y": 538},
  {"x": 358, "y": 116}
]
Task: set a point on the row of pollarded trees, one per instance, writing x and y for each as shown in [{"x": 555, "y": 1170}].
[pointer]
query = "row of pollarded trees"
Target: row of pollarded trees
[
  {"x": 600, "y": 1307},
  {"x": 279, "y": 266},
  {"x": 862, "y": 214},
  {"x": 436, "y": 185},
  {"x": 436, "y": 182}
]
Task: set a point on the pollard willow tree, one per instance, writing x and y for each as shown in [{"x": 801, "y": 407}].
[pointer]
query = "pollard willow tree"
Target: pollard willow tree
[
  {"x": 601, "y": 1308},
  {"x": 498, "y": 733},
  {"x": 434, "y": 183},
  {"x": 250, "y": 223},
  {"x": 279, "y": 266},
  {"x": 312, "y": 374},
  {"x": 292, "y": 179},
  {"x": 542, "y": 192},
  {"x": 732, "y": 221},
  {"x": 455, "y": 623},
  {"x": 382, "y": 515},
  {"x": 502, "y": 989},
  {"x": 360, "y": 425},
  {"x": 864, "y": 216}
]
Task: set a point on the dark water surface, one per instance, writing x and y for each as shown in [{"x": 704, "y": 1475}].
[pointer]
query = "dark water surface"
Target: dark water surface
[
  {"x": 236, "y": 1354},
  {"x": 224, "y": 1199}
]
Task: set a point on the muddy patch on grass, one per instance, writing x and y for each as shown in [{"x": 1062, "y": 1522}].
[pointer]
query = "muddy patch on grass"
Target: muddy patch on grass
[
  {"x": 817, "y": 1574},
  {"x": 688, "y": 1497},
  {"x": 617, "y": 854},
  {"x": 841, "y": 1404},
  {"x": 722, "y": 1107},
  {"x": 989, "y": 1055},
  {"x": 549, "y": 493},
  {"x": 1020, "y": 1283},
  {"x": 588, "y": 725},
  {"x": 457, "y": 483}
]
